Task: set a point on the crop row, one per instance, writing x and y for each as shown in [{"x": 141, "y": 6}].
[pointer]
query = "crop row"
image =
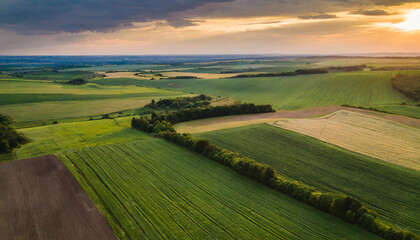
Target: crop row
[{"x": 154, "y": 189}]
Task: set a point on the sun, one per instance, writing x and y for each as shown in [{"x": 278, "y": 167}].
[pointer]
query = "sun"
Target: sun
[{"x": 412, "y": 21}]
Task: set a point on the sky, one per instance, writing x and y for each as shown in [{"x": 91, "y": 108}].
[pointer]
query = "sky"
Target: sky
[{"x": 145, "y": 27}]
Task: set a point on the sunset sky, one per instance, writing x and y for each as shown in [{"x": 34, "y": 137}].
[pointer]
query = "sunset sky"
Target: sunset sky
[{"x": 130, "y": 27}]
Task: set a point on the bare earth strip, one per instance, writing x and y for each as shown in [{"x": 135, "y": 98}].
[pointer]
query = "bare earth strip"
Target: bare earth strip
[
  {"x": 376, "y": 137},
  {"x": 212, "y": 124},
  {"x": 40, "y": 199}
]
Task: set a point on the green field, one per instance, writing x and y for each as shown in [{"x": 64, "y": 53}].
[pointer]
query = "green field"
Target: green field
[
  {"x": 25, "y": 86},
  {"x": 405, "y": 110},
  {"x": 56, "y": 138},
  {"x": 280, "y": 65},
  {"x": 55, "y": 75},
  {"x": 152, "y": 189},
  {"x": 35, "y": 100},
  {"x": 289, "y": 93},
  {"x": 370, "y": 61},
  {"x": 69, "y": 109},
  {"x": 391, "y": 190},
  {"x": 214, "y": 67}
]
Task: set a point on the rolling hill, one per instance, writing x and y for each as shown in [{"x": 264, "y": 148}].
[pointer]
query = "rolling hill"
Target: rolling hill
[
  {"x": 155, "y": 189},
  {"x": 289, "y": 93},
  {"x": 389, "y": 189}
]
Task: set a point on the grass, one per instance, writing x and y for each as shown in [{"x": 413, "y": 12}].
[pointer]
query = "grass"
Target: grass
[
  {"x": 35, "y": 100},
  {"x": 376, "y": 137},
  {"x": 404, "y": 110},
  {"x": 16, "y": 98},
  {"x": 5, "y": 157},
  {"x": 56, "y": 75},
  {"x": 290, "y": 93},
  {"x": 69, "y": 109},
  {"x": 56, "y": 138},
  {"x": 374, "y": 62},
  {"x": 153, "y": 189},
  {"x": 122, "y": 67},
  {"x": 389, "y": 189},
  {"x": 23, "y": 86}
]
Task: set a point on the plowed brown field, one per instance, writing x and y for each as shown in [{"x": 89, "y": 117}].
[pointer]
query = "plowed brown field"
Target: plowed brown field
[{"x": 40, "y": 199}]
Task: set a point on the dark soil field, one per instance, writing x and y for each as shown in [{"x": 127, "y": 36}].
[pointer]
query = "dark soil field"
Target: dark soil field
[{"x": 40, "y": 199}]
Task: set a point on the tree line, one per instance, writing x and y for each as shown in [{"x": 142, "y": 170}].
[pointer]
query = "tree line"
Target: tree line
[
  {"x": 345, "y": 207},
  {"x": 180, "y": 102},
  {"x": 163, "y": 121},
  {"x": 184, "y": 115},
  {"x": 284, "y": 74},
  {"x": 9, "y": 137},
  {"x": 354, "y": 68}
]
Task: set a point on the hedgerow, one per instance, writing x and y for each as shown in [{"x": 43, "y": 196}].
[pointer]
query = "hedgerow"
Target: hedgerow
[{"x": 345, "y": 207}]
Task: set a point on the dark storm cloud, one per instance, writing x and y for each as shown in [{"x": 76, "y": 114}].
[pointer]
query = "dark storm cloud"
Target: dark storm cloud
[
  {"x": 393, "y": 2},
  {"x": 318, "y": 16},
  {"x": 55, "y": 16},
  {"x": 52, "y": 16},
  {"x": 375, "y": 12},
  {"x": 288, "y": 8},
  {"x": 181, "y": 23}
]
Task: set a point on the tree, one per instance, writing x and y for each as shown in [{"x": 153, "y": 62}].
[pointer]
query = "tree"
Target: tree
[
  {"x": 4, "y": 146},
  {"x": 9, "y": 138}
]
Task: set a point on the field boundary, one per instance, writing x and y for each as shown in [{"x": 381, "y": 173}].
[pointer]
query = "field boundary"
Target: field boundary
[{"x": 339, "y": 205}]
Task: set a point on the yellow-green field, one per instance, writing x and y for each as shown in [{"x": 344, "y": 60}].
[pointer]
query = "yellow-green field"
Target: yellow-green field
[
  {"x": 389, "y": 141},
  {"x": 56, "y": 138},
  {"x": 69, "y": 109},
  {"x": 37, "y": 86},
  {"x": 374, "y": 62},
  {"x": 33, "y": 100}
]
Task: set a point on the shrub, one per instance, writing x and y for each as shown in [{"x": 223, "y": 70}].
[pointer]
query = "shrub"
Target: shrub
[
  {"x": 325, "y": 201},
  {"x": 200, "y": 145},
  {"x": 9, "y": 137}
]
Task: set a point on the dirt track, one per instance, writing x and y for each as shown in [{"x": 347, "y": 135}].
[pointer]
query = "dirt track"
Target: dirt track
[
  {"x": 40, "y": 199},
  {"x": 212, "y": 124}
]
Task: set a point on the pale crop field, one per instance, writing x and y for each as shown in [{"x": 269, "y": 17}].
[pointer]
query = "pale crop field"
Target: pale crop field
[
  {"x": 125, "y": 75},
  {"x": 56, "y": 138},
  {"x": 212, "y": 124},
  {"x": 153, "y": 189},
  {"x": 389, "y": 141}
]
